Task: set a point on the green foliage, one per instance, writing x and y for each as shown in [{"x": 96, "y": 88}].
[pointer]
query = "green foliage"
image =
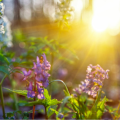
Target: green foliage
[
  {"x": 36, "y": 46},
  {"x": 10, "y": 114},
  {"x": 7, "y": 65},
  {"x": 49, "y": 111},
  {"x": 20, "y": 92},
  {"x": 4, "y": 64},
  {"x": 3, "y": 59},
  {"x": 55, "y": 111},
  {"x": 46, "y": 102},
  {"x": 115, "y": 112},
  {"x": 84, "y": 108},
  {"x": 66, "y": 93},
  {"x": 101, "y": 107},
  {"x": 4, "y": 69}
]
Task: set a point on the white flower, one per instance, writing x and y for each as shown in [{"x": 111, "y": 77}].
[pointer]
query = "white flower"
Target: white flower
[
  {"x": 2, "y": 7},
  {"x": 5, "y": 32}
]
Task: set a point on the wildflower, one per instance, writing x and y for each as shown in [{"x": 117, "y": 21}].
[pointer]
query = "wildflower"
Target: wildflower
[
  {"x": 1, "y": 18},
  {"x": 40, "y": 92},
  {"x": 46, "y": 63},
  {"x": 5, "y": 32},
  {"x": 94, "y": 80},
  {"x": 1, "y": 8},
  {"x": 40, "y": 75},
  {"x": 64, "y": 14},
  {"x": 30, "y": 93},
  {"x": 26, "y": 74},
  {"x": 41, "y": 70}
]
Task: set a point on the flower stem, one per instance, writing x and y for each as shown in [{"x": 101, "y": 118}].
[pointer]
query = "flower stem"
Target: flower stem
[
  {"x": 2, "y": 101},
  {"x": 3, "y": 79},
  {"x": 34, "y": 100},
  {"x": 96, "y": 102},
  {"x": 1, "y": 96},
  {"x": 63, "y": 83},
  {"x": 46, "y": 117},
  {"x": 52, "y": 59},
  {"x": 15, "y": 98},
  {"x": 33, "y": 112}
]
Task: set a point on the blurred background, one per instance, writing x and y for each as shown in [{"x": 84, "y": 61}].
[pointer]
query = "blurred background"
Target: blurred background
[{"x": 93, "y": 34}]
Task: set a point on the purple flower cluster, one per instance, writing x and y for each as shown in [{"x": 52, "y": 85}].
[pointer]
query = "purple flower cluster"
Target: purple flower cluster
[
  {"x": 94, "y": 80},
  {"x": 40, "y": 75}
]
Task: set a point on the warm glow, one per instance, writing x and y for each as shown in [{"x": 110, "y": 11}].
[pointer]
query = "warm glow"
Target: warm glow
[
  {"x": 78, "y": 6},
  {"x": 106, "y": 15},
  {"x": 98, "y": 24}
]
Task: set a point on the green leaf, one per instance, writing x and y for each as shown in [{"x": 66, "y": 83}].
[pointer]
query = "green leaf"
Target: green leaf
[
  {"x": 20, "y": 92},
  {"x": 88, "y": 114},
  {"x": 46, "y": 102},
  {"x": 99, "y": 113},
  {"x": 100, "y": 107},
  {"x": 22, "y": 103},
  {"x": 56, "y": 112},
  {"x": 40, "y": 111},
  {"x": 47, "y": 99},
  {"x": 94, "y": 108},
  {"x": 74, "y": 115},
  {"x": 66, "y": 93},
  {"x": 49, "y": 111},
  {"x": 54, "y": 102},
  {"x": 64, "y": 101},
  {"x": 46, "y": 94},
  {"x": 4, "y": 69},
  {"x": 3, "y": 59},
  {"x": 10, "y": 114},
  {"x": 76, "y": 104}
]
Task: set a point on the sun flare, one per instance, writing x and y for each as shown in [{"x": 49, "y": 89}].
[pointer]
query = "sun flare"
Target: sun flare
[{"x": 106, "y": 15}]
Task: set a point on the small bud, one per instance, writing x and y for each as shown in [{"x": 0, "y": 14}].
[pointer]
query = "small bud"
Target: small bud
[{"x": 60, "y": 115}]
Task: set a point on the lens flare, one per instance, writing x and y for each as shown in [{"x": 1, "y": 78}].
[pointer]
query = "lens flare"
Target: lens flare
[{"x": 106, "y": 15}]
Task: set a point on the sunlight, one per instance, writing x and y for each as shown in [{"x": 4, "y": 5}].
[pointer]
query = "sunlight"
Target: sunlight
[
  {"x": 106, "y": 15},
  {"x": 99, "y": 25},
  {"x": 78, "y": 6}
]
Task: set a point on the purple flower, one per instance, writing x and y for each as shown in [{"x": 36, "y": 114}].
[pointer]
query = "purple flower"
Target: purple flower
[
  {"x": 40, "y": 96},
  {"x": 41, "y": 75},
  {"x": 41, "y": 70},
  {"x": 30, "y": 93},
  {"x": 46, "y": 63},
  {"x": 34, "y": 67},
  {"x": 78, "y": 91},
  {"x": 26, "y": 74},
  {"x": 40, "y": 92},
  {"x": 94, "y": 80},
  {"x": 37, "y": 68},
  {"x": 39, "y": 78},
  {"x": 88, "y": 69},
  {"x": 45, "y": 83}
]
